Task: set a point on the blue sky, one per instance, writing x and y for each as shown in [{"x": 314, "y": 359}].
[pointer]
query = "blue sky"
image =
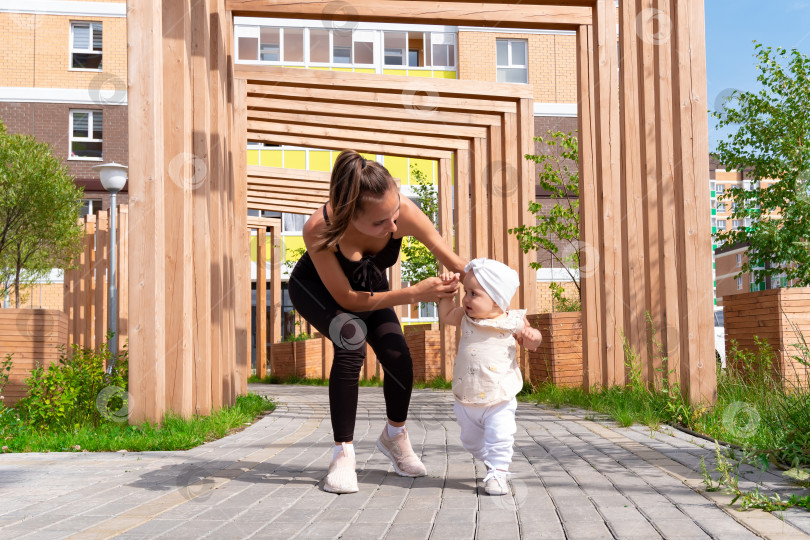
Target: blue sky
[{"x": 731, "y": 26}]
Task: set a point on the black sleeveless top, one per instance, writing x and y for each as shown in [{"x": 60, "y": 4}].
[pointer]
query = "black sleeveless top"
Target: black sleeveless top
[{"x": 367, "y": 274}]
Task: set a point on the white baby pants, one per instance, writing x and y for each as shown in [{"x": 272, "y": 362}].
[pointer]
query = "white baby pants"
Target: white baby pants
[{"x": 488, "y": 433}]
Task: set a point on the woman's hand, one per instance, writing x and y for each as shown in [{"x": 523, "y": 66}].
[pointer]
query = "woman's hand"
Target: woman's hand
[{"x": 434, "y": 289}]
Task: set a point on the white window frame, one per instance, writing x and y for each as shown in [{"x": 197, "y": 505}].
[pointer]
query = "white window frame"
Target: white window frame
[
  {"x": 739, "y": 283},
  {"x": 90, "y": 121},
  {"x": 509, "y": 62},
  {"x": 721, "y": 227},
  {"x": 736, "y": 223},
  {"x": 73, "y": 50},
  {"x": 739, "y": 259}
]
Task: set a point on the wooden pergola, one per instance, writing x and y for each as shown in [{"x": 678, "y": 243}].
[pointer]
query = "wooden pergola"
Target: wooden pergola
[
  {"x": 475, "y": 151},
  {"x": 644, "y": 160}
]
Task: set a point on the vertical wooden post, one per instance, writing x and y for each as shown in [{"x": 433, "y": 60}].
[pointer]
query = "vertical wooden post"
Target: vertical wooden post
[
  {"x": 241, "y": 234},
  {"x": 495, "y": 171},
  {"x": 88, "y": 287},
  {"x": 123, "y": 273},
  {"x": 609, "y": 188},
  {"x": 146, "y": 190},
  {"x": 275, "y": 284},
  {"x": 590, "y": 226},
  {"x": 632, "y": 223},
  {"x": 698, "y": 371},
  {"x": 261, "y": 302},
  {"x": 102, "y": 263},
  {"x": 201, "y": 195},
  {"x": 478, "y": 199},
  {"x": 445, "y": 228},
  {"x": 177, "y": 195},
  {"x": 667, "y": 218}
]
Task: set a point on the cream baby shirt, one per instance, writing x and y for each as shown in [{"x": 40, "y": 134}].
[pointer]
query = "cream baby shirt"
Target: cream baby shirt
[{"x": 485, "y": 371}]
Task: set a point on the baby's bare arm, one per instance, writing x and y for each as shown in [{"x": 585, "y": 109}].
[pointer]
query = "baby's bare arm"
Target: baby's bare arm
[{"x": 449, "y": 313}]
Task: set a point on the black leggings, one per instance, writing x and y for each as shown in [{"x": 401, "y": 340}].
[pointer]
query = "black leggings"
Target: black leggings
[{"x": 349, "y": 333}]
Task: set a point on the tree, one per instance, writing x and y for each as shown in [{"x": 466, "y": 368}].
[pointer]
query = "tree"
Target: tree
[
  {"x": 39, "y": 207},
  {"x": 561, "y": 224},
  {"x": 418, "y": 263},
  {"x": 772, "y": 141}
]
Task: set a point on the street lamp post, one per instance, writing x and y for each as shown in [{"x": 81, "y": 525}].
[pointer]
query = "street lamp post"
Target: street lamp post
[{"x": 113, "y": 178}]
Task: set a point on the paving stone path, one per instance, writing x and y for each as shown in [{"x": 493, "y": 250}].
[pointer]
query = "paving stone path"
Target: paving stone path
[{"x": 576, "y": 477}]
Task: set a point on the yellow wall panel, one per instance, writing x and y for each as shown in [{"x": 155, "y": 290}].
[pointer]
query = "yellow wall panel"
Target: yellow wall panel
[
  {"x": 398, "y": 167},
  {"x": 426, "y": 166},
  {"x": 320, "y": 160},
  {"x": 342, "y": 69},
  {"x": 252, "y": 157},
  {"x": 441, "y": 74},
  {"x": 271, "y": 158},
  {"x": 365, "y": 70},
  {"x": 292, "y": 243},
  {"x": 419, "y": 73},
  {"x": 295, "y": 159},
  {"x": 395, "y": 71}
]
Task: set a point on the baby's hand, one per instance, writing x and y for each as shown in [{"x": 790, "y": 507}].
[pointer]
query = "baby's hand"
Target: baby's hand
[
  {"x": 448, "y": 276},
  {"x": 529, "y": 337}
]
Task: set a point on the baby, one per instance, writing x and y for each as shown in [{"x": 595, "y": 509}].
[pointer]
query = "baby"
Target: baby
[{"x": 486, "y": 376}]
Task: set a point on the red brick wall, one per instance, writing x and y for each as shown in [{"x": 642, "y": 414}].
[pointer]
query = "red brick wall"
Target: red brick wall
[{"x": 49, "y": 123}]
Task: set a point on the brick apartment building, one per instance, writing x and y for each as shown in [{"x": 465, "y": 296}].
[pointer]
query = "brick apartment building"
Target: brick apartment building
[
  {"x": 728, "y": 260},
  {"x": 63, "y": 79}
]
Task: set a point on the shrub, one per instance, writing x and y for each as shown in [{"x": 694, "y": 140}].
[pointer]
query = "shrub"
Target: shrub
[
  {"x": 5, "y": 371},
  {"x": 64, "y": 395}
]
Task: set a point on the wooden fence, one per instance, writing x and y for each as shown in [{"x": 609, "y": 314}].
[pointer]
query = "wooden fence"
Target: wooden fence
[
  {"x": 780, "y": 316},
  {"x": 86, "y": 287}
]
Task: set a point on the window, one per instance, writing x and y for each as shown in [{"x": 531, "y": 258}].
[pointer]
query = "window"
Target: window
[
  {"x": 418, "y": 49},
  {"x": 736, "y": 223},
  {"x": 739, "y": 259},
  {"x": 394, "y": 46},
  {"x": 90, "y": 207},
  {"x": 714, "y": 222},
  {"x": 720, "y": 188},
  {"x": 739, "y": 283},
  {"x": 85, "y": 45},
  {"x": 292, "y": 223},
  {"x": 319, "y": 46},
  {"x": 363, "y": 47},
  {"x": 721, "y": 207},
  {"x": 270, "y": 45},
  {"x": 711, "y": 186},
  {"x": 342, "y": 46},
  {"x": 714, "y": 204},
  {"x": 86, "y": 135},
  {"x": 427, "y": 310},
  {"x": 512, "y": 60},
  {"x": 721, "y": 224},
  {"x": 444, "y": 49},
  {"x": 293, "y": 44}
]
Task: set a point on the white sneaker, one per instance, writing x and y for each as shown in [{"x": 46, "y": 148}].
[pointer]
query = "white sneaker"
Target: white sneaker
[
  {"x": 496, "y": 483},
  {"x": 342, "y": 477}
]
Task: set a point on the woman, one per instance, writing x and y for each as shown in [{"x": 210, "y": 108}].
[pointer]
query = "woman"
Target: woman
[{"x": 339, "y": 286}]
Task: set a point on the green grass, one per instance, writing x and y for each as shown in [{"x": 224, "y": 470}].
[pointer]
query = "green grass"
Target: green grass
[
  {"x": 173, "y": 434},
  {"x": 438, "y": 383}
]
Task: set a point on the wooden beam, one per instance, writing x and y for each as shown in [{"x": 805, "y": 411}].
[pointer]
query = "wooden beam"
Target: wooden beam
[
  {"x": 406, "y": 100},
  {"x": 241, "y": 234},
  {"x": 590, "y": 279},
  {"x": 177, "y": 193},
  {"x": 275, "y": 284},
  {"x": 608, "y": 161},
  {"x": 444, "y": 143},
  {"x": 341, "y": 144},
  {"x": 147, "y": 312},
  {"x": 261, "y": 302},
  {"x": 399, "y": 85},
  {"x": 632, "y": 223},
  {"x": 285, "y": 99},
  {"x": 386, "y": 125},
  {"x": 501, "y": 15}
]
